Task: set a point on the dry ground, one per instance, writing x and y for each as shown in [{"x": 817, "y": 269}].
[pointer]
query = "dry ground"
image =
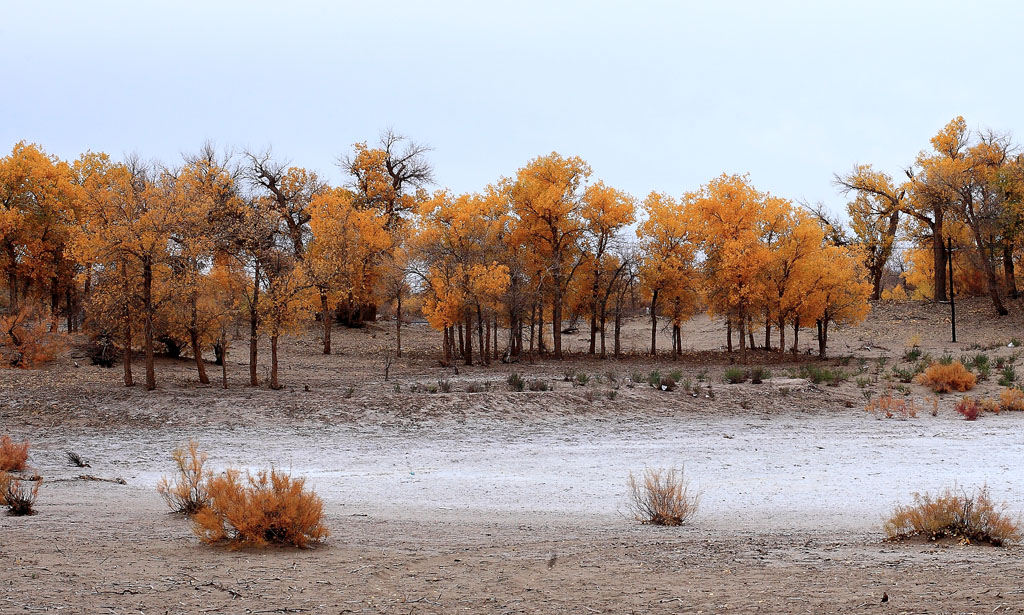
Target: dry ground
[{"x": 503, "y": 502}]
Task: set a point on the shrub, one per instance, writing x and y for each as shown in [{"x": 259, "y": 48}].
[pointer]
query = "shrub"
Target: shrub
[
  {"x": 582, "y": 379},
  {"x": 270, "y": 507},
  {"x": 539, "y": 385},
  {"x": 1008, "y": 376},
  {"x": 862, "y": 382},
  {"x": 667, "y": 383},
  {"x": 952, "y": 514},
  {"x": 76, "y": 460},
  {"x": 636, "y": 377},
  {"x": 734, "y": 375},
  {"x": 18, "y": 498},
  {"x": 903, "y": 375},
  {"x": 943, "y": 378},
  {"x": 676, "y": 374},
  {"x": 612, "y": 394},
  {"x": 889, "y": 407},
  {"x": 662, "y": 497},
  {"x": 1011, "y": 399},
  {"x": 12, "y": 456},
  {"x": 515, "y": 382},
  {"x": 816, "y": 374},
  {"x": 759, "y": 375},
  {"x": 444, "y": 385},
  {"x": 912, "y": 354},
  {"x": 654, "y": 379},
  {"x": 187, "y": 492},
  {"x": 476, "y": 387},
  {"x": 968, "y": 408}
]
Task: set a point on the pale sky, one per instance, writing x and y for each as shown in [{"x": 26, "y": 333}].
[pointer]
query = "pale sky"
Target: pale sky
[{"x": 654, "y": 95}]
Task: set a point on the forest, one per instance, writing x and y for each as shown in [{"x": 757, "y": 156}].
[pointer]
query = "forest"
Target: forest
[{"x": 175, "y": 256}]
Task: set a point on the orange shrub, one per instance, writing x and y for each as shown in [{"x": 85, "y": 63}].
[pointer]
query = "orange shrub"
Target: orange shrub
[
  {"x": 946, "y": 377},
  {"x": 889, "y": 406},
  {"x": 270, "y": 507},
  {"x": 968, "y": 408},
  {"x": 186, "y": 492},
  {"x": 953, "y": 514},
  {"x": 12, "y": 456},
  {"x": 1011, "y": 399}
]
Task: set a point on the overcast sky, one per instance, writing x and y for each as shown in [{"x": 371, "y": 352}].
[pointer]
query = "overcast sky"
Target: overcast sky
[{"x": 654, "y": 95}]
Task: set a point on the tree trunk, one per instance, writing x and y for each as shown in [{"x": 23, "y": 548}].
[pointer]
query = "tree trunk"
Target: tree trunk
[
  {"x": 556, "y": 325},
  {"x": 1009, "y": 275},
  {"x": 254, "y": 323},
  {"x": 743, "y": 339},
  {"x": 654, "y": 323},
  {"x": 127, "y": 358},
  {"x": 939, "y": 256},
  {"x": 822, "y": 337},
  {"x": 990, "y": 271},
  {"x": 462, "y": 341},
  {"x": 274, "y": 384},
  {"x": 750, "y": 334},
  {"x": 604, "y": 319},
  {"x": 782, "y": 336},
  {"x": 325, "y": 313},
  {"x": 728, "y": 334},
  {"x": 12, "y": 278},
  {"x": 224, "y": 359},
  {"x": 487, "y": 339},
  {"x": 193, "y": 334},
  {"x": 147, "y": 323},
  {"x": 796, "y": 337},
  {"x": 540, "y": 329},
  {"x": 481, "y": 338},
  {"x": 767, "y": 333},
  {"x": 468, "y": 356}
]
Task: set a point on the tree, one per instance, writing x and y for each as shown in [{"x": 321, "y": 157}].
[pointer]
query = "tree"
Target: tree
[
  {"x": 840, "y": 295},
  {"x": 387, "y": 177},
  {"x": 668, "y": 247},
  {"x": 874, "y": 216},
  {"x": 546, "y": 198}
]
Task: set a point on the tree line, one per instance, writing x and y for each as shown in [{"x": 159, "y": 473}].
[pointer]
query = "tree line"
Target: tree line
[{"x": 142, "y": 253}]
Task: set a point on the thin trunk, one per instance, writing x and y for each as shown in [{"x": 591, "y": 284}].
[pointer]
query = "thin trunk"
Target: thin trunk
[
  {"x": 750, "y": 334},
  {"x": 224, "y": 358},
  {"x": 193, "y": 334},
  {"x": 462, "y": 341},
  {"x": 326, "y": 314},
  {"x": 939, "y": 256},
  {"x": 604, "y": 320},
  {"x": 127, "y": 358},
  {"x": 654, "y": 323},
  {"x": 556, "y": 324},
  {"x": 990, "y": 271},
  {"x": 677, "y": 342},
  {"x": 743, "y": 339},
  {"x": 487, "y": 348},
  {"x": 728, "y": 334},
  {"x": 767, "y": 333},
  {"x": 796, "y": 337},
  {"x": 481, "y": 338},
  {"x": 274, "y": 384},
  {"x": 540, "y": 328},
  {"x": 533, "y": 321},
  {"x": 468, "y": 355},
  {"x": 1009, "y": 275},
  {"x": 147, "y": 323},
  {"x": 254, "y": 322},
  {"x": 12, "y": 278},
  {"x": 822, "y": 337},
  {"x": 782, "y": 336}
]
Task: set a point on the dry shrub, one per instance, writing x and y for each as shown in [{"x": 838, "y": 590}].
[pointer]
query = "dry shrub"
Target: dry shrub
[
  {"x": 968, "y": 408},
  {"x": 18, "y": 498},
  {"x": 28, "y": 340},
  {"x": 946, "y": 377},
  {"x": 953, "y": 514},
  {"x": 270, "y": 507},
  {"x": 1011, "y": 399},
  {"x": 12, "y": 456},
  {"x": 187, "y": 491},
  {"x": 662, "y": 497},
  {"x": 889, "y": 407}
]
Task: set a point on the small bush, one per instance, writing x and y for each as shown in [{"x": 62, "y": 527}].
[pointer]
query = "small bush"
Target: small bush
[
  {"x": 889, "y": 407},
  {"x": 16, "y": 497},
  {"x": 953, "y": 514},
  {"x": 76, "y": 460},
  {"x": 516, "y": 382},
  {"x": 980, "y": 360},
  {"x": 943, "y": 378},
  {"x": 28, "y": 339},
  {"x": 734, "y": 375},
  {"x": 636, "y": 377},
  {"x": 968, "y": 408},
  {"x": 612, "y": 394},
  {"x": 476, "y": 387},
  {"x": 1011, "y": 399},
  {"x": 862, "y": 382},
  {"x": 1008, "y": 375},
  {"x": 12, "y": 456},
  {"x": 816, "y": 374},
  {"x": 903, "y": 375},
  {"x": 444, "y": 385},
  {"x": 759, "y": 375},
  {"x": 667, "y": 383},
  {"x": 270, "y": 507},
  {"x": 662, "y": 497},
  {"x": 676, "y": 374},
  {"x": 582, "y": 379},
  {"x": 654, "y": 379},
  {"x": 912, "y": 354},
  {"x": 539, "y": 385},
  {"x": 187, "y": 491}
]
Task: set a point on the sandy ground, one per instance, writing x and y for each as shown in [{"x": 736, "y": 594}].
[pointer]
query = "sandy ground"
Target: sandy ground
[{"x": 502, "y": 502}]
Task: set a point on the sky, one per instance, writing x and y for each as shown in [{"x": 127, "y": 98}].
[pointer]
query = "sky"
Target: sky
[{"x": 654, "y": 95}]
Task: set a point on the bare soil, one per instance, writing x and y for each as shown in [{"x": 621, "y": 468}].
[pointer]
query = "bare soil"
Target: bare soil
[{"x": 514, "y": 502}]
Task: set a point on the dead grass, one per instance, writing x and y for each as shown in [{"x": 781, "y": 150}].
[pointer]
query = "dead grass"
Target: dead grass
[
  {"x": 953, "y": 514},
  {"x": 270, "y": 507},
  {"x": 16, "y": 496},
  {"x": 946, "y": 377},
  {"x": 12, "y": 456},
  {"x": 662, "y": 497},
  {"x": 889, "y": 406},
  {"x": 186, "y": 492}
]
